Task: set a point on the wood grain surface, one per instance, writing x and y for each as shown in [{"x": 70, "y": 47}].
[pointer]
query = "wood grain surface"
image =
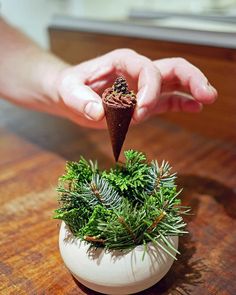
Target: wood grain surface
[{"x": 33, "y": 151}]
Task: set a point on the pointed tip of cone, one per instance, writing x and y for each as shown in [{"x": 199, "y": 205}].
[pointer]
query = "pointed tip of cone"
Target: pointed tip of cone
[
  {"x": 116, "y": 157},
  {"x": 118, "y": 121},
  {"x": 117, "y": 149}
]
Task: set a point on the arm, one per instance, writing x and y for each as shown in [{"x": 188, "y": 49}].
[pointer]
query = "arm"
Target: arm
[
  {"x": 26, "y": 71},
  {"x": 36, "y": 79}
]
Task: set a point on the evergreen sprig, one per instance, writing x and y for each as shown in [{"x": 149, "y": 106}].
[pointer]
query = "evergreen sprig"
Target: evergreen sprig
[
  {"x": 131, "y": 177},
  {"x": 160, "y": 176},
  {"x": 79, "y": 172},
  {"x": 134, "y": 203},
  {"x": 99, "y": 191}
]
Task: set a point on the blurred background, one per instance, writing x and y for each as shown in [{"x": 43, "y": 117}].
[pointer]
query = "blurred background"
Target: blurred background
[{"x": 34, "y": 16}]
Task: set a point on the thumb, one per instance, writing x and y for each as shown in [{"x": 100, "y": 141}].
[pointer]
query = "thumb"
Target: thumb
[{"x": 81, "y": 99}]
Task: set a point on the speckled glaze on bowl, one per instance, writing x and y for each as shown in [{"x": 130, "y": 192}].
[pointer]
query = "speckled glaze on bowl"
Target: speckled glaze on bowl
[{"x": 114, "y": 272}]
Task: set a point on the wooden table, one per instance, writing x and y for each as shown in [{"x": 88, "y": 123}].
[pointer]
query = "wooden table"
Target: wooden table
[{"x": 33, "y": 151}]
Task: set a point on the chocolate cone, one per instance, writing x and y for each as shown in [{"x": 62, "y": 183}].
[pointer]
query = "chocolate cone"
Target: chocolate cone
[
  {"x": 118, "y": 120},
  {"x": 119, "y": 104}
]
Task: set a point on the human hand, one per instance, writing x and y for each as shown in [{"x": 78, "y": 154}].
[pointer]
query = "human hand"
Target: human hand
[
  {"x": 79, "y": 88},
  {"x": 184, "y": 87}
]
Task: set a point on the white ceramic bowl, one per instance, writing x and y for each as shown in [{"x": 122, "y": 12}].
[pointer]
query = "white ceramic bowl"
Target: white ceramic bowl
[{"x": 114, "y": 272}]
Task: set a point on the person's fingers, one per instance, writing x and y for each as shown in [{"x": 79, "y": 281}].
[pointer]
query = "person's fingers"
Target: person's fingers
[
  {"x": 142, "y": 75},
  {"x": 101, "y": 85},
  {"x": 95, "y": 70},
  {"x": 179, "y": 74},
  {"x": 177, "y": 102},
  {"x": 174, "y": 85},
  {"x": 136, "y": 67},
  {"x": 79, "y": 98}
]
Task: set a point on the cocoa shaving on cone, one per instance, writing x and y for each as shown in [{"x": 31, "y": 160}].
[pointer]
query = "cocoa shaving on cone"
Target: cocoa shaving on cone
[{"x": 119, "y": 104}]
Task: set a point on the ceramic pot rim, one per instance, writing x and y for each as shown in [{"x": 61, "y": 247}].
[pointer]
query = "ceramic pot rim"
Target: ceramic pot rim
[{"x": 71, "y": 238}]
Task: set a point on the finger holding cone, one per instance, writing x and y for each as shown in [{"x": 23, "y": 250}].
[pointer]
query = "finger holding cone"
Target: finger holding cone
[{"x": 119, "y": 104}]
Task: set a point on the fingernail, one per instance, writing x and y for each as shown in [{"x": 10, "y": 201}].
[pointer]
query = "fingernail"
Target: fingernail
[
  {"x": 205, "y": 90},
  {"x": 210, "y": 87},
  {"x": 141, "y": 114},
  {"x": 142, "y": 95},
  {"x": 93, "y": 111},
  {"x": 213, "y": 89}
]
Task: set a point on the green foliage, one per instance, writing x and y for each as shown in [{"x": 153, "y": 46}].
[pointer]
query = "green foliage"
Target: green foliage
[
  {"x": 79, "y": 172},
  {"x": 160, "y": 176},
  {"x": 69, "y": 199},
  {"x": 99, "y": 191},
  {"x": 132, "y": 177},
  {"x": 99, "y": 216},
  {"x": 76, "y": 218},
  {"x": 131, "y": 204}
]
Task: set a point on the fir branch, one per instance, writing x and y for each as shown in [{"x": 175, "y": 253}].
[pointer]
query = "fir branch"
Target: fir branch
[
  {"x": 99, "y": 191},
  {"x": 69, "y": 187},
  {"x": 156, "y": 221},
  {"x": 168, "y": 244},
  {"x": 129, "y": 230},
  {"x": 160, "y": 176},
  {"x": 155, "y": 242},
  {"x": 75, "y": 218},
  {"x": 94, "y": 239},
  {"x": 134, "y": 160},
  {"x": 69, "y": 199},
  {"x": 79, "y": 172},
  {"x": 91, "y": 228}
]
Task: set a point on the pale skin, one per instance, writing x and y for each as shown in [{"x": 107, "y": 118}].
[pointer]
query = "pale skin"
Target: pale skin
[{"x": 36, "y": 79}]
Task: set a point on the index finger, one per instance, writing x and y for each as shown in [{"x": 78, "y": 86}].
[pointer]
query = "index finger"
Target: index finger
[{"x": 142, "y": 70}]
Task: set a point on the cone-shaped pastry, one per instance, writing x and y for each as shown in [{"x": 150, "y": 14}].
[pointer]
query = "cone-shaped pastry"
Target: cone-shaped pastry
[{"x": 119, "y": 104}]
